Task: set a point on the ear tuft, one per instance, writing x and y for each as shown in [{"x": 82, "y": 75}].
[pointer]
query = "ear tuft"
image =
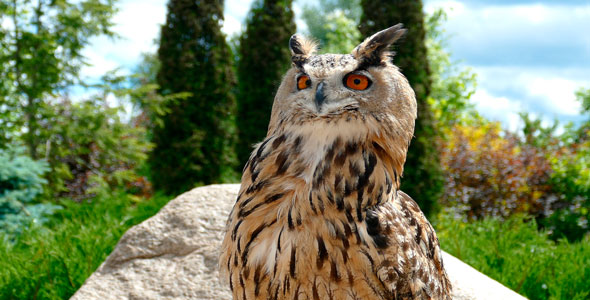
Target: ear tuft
[
  {"x": 301, "y": 49},
  {"x": 373, "y": 50}
]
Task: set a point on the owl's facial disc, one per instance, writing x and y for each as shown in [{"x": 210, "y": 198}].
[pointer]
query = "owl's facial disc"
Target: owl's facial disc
[{"x": 330, "y": 91}]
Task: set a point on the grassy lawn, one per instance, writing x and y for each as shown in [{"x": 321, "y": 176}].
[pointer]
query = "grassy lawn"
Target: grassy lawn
[
  {"x": 54, "y": 261},
  {"x": 514, "y": 253}
]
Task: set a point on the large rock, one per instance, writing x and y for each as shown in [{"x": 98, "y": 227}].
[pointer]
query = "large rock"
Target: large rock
[{"x": 173, "y": 255}]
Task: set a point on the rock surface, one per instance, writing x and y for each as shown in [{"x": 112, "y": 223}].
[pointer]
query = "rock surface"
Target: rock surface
[{"x": 173, "y": 255}]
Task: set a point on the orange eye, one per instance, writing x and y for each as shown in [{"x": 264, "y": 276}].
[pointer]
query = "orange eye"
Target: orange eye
[
  {"x": 303, "y": 82},
  {"x": 357, "y": 82}
]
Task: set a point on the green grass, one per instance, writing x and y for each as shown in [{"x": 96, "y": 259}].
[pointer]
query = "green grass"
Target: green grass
[
  {"x": 514, "y": 253},
  {"x": 54, "y": 261}
]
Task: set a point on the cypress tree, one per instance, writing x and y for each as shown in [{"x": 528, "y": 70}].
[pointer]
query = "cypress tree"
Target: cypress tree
[
  {"x": 264, "y": 57},
  {"x": 195, "y": 144},
  {"x": 422, "y": 178}
]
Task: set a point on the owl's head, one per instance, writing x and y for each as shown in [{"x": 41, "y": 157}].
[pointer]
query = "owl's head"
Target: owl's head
[{"x": 362, "y": 87}]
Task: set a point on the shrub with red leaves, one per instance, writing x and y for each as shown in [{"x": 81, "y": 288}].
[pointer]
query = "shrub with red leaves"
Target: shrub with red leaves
[{"x": 490, "y": 173}]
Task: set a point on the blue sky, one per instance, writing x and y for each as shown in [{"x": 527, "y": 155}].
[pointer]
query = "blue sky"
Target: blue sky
[{"x": 529, "y": 55}]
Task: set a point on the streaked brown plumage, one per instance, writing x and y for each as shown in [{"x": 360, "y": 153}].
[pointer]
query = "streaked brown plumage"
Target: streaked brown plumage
[{"x": 319, "y": 214}]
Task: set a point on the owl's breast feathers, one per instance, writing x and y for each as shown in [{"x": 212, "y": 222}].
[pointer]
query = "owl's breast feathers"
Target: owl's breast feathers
[{"x": 319, "y": 216}]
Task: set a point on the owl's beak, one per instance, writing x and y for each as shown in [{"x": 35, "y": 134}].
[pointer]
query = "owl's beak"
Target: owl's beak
[{"x": 320, "y": 98}]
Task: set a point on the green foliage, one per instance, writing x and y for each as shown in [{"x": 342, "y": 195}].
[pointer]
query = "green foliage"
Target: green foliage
[
  {"x": 54, "y": 261},
  {"x": 334, "y": 24},
  {"x": 90, "y": 149},
  {"x": 196, "y": 142},
  {"x": 20, "y": 177},
  {"x": 571, "y": 175},
  {"x": 490, "y": 172},
  {"x": 86, "y": 144},
  {"x": 452, "y": 86},
  {"x": 149, "y": 106},
  {"x": 41, "y": 54},
  {"x": 342, "y": 35},
  {"x": 21, "y": 181},
  {"x": 537, "y": 135},
  {"x": 568, "y": 211},
  {"x": 146, "y": 70},
  {"x": 583, "y": 95},
  {"x": 583, "y": 132},
  {"x": 514, "y": 253},
  {"x": 422, "y": 178},
  {"x": 571, "y": 181},
  {"x": 264, "y": 58}
]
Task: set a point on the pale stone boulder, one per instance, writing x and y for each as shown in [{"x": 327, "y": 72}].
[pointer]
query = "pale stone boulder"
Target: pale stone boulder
[{"x": 173, "y": 255}]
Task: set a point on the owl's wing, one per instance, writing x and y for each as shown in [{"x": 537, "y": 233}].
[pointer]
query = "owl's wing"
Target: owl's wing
[{"x": 412, "y": 266}]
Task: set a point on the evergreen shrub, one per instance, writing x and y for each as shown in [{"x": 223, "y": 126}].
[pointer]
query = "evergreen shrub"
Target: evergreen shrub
[
  {"x": 264, "y": 58},
  {"x": 196, "y": 142},
  {"x": 91, "y": 150},
  {"x": 21, "y": 181}
]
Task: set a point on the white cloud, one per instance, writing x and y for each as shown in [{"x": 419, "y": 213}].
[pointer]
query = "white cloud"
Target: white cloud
[
  {"x": 546, "y": 91},
  {"x": 231, "y": 25},
  {"x": 451, "y": 7},
  {"x": 557, "y": 94},
  {"x": 138, "y": 24},
  {"x": 100, "y": 64},
  {"x": 6, "y": 24},
  {"x": 298, "y": 10},
  {"x": 533, "y": 34},
  {"x": 235, "y": 13},
  {"x": 523, "y": 14},
  {"x": 497, "y": 108},
  {"x": 528, "y": 57},
  {"x": 534, "y": 14},
  {"x": 238, "y": 8}
]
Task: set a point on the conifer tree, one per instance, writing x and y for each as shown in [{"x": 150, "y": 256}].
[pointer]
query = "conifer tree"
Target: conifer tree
[
  {"x": 422, "y": 178},
  {"x": 264, "y": 58},
  {"x": 195, "y": 144}
]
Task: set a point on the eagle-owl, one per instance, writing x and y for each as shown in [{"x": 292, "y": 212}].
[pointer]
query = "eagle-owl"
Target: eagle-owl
[{"x": 319, "y": 214}]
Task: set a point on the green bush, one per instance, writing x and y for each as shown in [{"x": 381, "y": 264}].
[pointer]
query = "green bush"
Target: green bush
[
  {"x": 91, "y": 149},
  {"x": 514, "y": 253},
  {"x": 53, "y": 261},
  {"x": 21, "y": 181},
  {"x": 571, "y": 180},
  {"x": 196, "y": 144},
  {"x": 567, "y": 206}
]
